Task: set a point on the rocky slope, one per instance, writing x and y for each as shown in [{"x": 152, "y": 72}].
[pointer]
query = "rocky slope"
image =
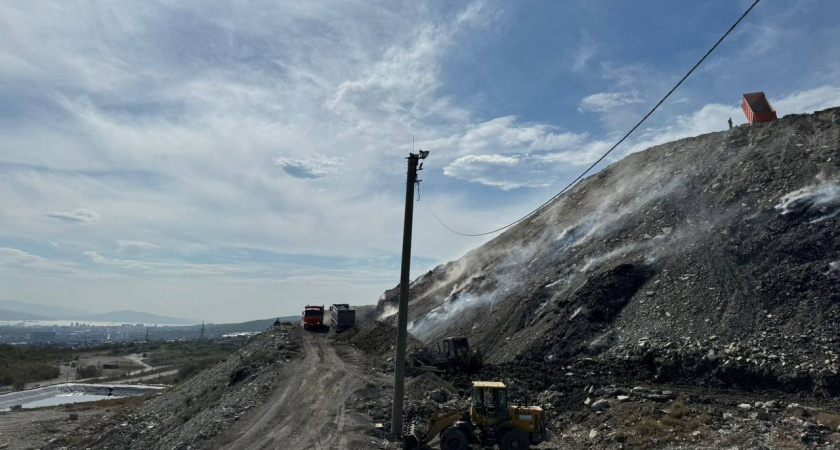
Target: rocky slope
[
  {"x": 192, "y": 414},
  {"x": 713, "y": 257}
]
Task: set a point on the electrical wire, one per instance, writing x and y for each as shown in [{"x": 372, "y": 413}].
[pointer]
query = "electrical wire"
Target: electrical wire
[{"x": 537, "y": 209}]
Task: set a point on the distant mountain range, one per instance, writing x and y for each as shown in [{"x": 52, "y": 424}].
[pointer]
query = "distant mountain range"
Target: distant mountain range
[
  {"x": 15, "y": 310},
  {"x": 7, "y": 314},
  {"x": 128, "y": 316},
  {"x": 44, "y": 312}
]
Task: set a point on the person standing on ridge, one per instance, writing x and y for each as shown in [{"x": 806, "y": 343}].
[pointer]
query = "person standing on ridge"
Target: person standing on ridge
[{"x": 730, "y": 123}]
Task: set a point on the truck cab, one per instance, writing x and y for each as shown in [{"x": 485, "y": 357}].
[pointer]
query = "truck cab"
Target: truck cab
[{"x": 313, "y": 316}]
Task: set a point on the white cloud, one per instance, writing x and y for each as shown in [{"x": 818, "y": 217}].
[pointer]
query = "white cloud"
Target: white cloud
[
  {"x": 402, "y": 82},
  {"x": 506, "y": 154},
  {"x": 808, "y": 101},
  {"x": 512, "y": 171},
  {"x": 713, "y": 117},
  {"x": 16, "y": 258},
  {"x": 504, "y": 172},
  {"x": 171, "y": 268},
  {"x": 605, "y": 101},
  {"x": 505, "y": 134},
  {"x": 133, "y": 247},
  {"x": 82, "y": 216},
  {"x": 627, "y": 76},
  {"x": 507, "y": 170},
  {"x": 585, "y": 52}
]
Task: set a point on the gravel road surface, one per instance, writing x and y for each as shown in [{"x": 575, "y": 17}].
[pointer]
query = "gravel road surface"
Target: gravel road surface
[{"x": 309, "y": 411}]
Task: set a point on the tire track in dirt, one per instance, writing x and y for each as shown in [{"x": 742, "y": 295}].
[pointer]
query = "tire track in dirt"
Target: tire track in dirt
[{"x": 308, "y": 411}]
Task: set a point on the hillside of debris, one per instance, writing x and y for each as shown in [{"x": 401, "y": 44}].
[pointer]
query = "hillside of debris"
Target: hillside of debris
[
  {"x": 715, "y": 257},
  {"x": 192, "y": 414}
]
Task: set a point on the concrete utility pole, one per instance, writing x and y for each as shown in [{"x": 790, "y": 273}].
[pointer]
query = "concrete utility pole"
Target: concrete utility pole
[{"x": 402, "y": 316}]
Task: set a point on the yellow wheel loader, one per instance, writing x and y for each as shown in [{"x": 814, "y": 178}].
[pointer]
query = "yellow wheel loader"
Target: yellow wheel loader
[{"x": 490, "y": 421}]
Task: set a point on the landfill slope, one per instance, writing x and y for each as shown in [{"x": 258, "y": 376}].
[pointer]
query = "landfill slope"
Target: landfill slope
[
  {"x": 717, "y": 255},
  {"x": 194, "y": 413}
]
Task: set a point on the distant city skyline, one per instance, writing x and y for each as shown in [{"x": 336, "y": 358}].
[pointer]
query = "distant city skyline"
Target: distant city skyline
[{"x": 235, "y": 161}]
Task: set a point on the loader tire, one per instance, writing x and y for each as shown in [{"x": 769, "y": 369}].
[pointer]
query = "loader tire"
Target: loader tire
[
  {"x": 453, "y": 439},
  {"x": 515, "y": 440}
]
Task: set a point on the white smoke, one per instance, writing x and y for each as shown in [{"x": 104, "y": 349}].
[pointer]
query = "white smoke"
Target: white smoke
[
  {"x": 456, "y": 302},
  {"x": 388, "y": 311},
  {"x": 452, "y": 306},
  {"x": 517, "y": 261},
  {"x": 822, "y": 198},
  {"x": 833, "y": 267},
  {"x": 595, "y": 262}
]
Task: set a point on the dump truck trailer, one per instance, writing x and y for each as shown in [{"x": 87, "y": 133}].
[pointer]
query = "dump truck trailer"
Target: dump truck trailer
[
  {"x": 342, "y": 317},
  {"x": 757, "y": 108}
]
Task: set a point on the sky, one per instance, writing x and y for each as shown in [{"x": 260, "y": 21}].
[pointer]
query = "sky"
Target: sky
[{"x": 234, "y": 160}]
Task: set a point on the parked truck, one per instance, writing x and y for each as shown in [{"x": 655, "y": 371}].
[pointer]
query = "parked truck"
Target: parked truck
[
  {"x": 313, "y": 316},
  {"x": 342, "y": 317}
]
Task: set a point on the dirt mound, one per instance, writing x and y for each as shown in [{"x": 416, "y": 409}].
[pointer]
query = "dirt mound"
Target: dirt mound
[
  {"x": 191, "y": 414},
  {"x": 717, "y": 256},
  {"x": 426, "y": 383},
  {"x": 377, "y": 338}
]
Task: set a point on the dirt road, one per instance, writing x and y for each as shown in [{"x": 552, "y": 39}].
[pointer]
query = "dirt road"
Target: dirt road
[{"x": 309, "y": 411}]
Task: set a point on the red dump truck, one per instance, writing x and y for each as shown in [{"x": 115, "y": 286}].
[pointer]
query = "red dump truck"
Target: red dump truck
[{"x": 313, "y": 316}]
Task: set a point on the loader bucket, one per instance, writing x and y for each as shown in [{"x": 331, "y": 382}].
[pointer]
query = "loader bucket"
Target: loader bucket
[
  {"x": 411, "y": 437},
  {"x": 410, "y": 442}
]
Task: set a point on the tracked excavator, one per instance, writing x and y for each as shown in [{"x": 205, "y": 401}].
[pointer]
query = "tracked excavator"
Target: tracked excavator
[
  {"x": 490, "y": 421},
  {"x": 452, "y": 355}
]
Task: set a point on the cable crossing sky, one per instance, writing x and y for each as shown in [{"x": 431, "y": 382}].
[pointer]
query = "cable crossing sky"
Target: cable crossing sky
[{"x": 598, "y": 161}]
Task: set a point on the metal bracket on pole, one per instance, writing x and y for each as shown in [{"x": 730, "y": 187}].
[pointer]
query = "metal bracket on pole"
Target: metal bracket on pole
[{"x": 402, "y": 315}]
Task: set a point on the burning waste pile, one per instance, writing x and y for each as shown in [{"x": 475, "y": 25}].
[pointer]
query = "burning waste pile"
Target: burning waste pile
[
  {"x": 820, "y": 201},
  {"x": 684, "y": 297},
  {"x": 668, "y": 258}
]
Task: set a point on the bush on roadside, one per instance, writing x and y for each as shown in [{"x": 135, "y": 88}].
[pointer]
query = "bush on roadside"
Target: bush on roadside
[{"x": 87, "y": 372}]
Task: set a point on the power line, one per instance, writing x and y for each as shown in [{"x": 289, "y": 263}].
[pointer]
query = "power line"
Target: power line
[{"x": 614, "y": 146}]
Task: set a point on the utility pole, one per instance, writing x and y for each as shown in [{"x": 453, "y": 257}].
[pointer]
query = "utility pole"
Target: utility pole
[{"x": 402, "y": 316}]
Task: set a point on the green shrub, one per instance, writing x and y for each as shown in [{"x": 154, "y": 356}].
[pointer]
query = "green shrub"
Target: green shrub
[{"x": 87, "y": 372}]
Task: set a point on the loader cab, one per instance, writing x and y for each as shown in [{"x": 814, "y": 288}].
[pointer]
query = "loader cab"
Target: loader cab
[
  {"x": 491, "y": 410},
  {"x": 456, "y": 347},
  {"x": 489, "y": 403}
]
